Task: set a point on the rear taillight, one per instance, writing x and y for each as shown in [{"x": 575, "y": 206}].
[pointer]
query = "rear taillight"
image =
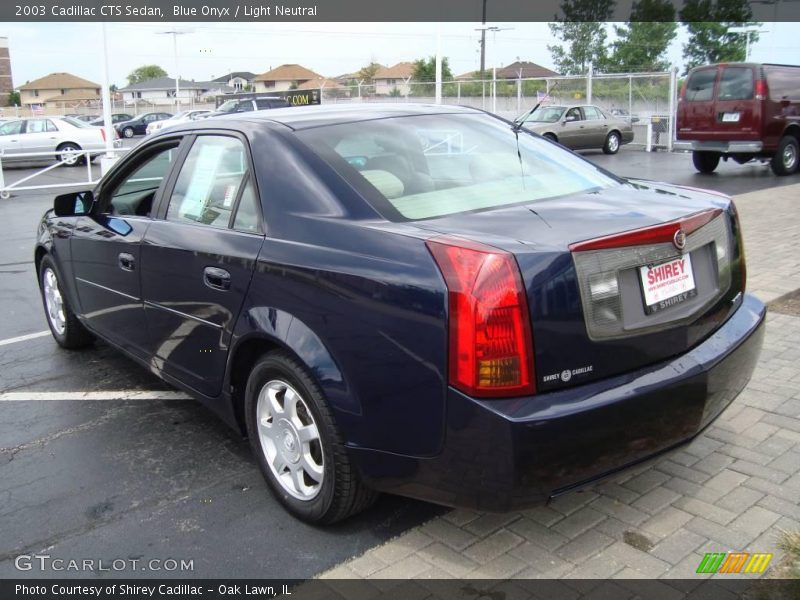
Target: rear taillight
[
  {"x": 103, "y": 133},
  {"x": 490, "y": 341},
  {"x": 682, "y": 93},
  {"x": 761, "y": 89}
]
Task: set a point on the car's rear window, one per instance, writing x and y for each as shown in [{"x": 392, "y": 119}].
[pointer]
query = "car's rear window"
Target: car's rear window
[
  {"x": 736, "y": 83},
  {"x": 427, "y": 166},
  {"x": 701, "y": 85}
]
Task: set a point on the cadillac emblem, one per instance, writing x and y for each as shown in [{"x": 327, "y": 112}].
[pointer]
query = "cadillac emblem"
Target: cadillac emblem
[{"x": 679, "y": 239}]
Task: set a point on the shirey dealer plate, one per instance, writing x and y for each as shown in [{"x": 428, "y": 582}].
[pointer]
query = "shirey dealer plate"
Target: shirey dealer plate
[{"x": 667, "y": 283}]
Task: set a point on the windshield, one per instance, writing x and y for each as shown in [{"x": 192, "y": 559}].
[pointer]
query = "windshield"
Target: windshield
[
  {"x": 546, "y": 114},
  {"x": 76, "y": 122},
  {"x": 228, "y": 106},
  {"x": 429, "y": 166}
]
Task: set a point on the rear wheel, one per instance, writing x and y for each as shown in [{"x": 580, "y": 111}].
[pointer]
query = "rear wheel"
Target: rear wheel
[
  {"x": 550, "y": 137},
  {"x": 299, "y": 450},
  {"x": 705, "y": 162},
  {"x": 66, "y": 154},
  {"x": 128, "y": 132},
  {"x": 612, "y": 143},
  {"x": 67, "y": 330},
  {"x": 785, "y": 160}
]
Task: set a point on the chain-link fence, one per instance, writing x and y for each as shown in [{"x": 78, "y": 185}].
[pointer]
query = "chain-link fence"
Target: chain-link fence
[{"x": 640, "y": 98}]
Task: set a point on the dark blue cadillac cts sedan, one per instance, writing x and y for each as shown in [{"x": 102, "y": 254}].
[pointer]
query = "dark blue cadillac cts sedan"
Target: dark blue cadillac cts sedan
[{"x": 419, "y": 300}]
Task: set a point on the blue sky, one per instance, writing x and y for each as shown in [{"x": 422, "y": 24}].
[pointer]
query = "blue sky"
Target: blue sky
[{"x": 213, "y": 49}]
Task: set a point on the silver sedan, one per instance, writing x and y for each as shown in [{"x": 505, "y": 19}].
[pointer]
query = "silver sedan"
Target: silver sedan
[
  {"x": 580, "y": 127},
  {"x": 62, "y": 137}
]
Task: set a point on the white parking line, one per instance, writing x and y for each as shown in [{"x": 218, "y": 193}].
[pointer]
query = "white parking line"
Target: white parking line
[
  {"x": 23, "y": 338},
  {"x": 110, "y": 395}
]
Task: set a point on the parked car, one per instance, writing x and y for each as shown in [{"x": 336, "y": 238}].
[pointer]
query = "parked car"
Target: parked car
[
  {"x": 63, "y": 136},
  {"x": 115, "y": 118},
  {"x": 86, "y": 118},
  {"x": 138, "y": 125},
  {"x": 580, "y": 127},
  {"x": 622, "y": 113},
  {"x": 238, "y": 105},
  {"x": 486, "y": 322},
  {"x": 181, "y": 117},
  {"x": 743, "y": 111}
]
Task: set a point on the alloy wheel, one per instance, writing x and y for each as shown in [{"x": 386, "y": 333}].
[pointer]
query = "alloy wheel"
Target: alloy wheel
[
  {"x": 54, "y": 301},
  {"x": 289, "y": 439},
  {"x": 789, "y": 157}
]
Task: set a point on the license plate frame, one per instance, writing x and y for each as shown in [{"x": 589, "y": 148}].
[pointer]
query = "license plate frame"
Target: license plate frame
[
  {"x": 731, "y": 117},
  {"x": 672, "y": 291}
]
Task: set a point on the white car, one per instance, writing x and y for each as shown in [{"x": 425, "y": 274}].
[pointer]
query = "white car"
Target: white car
[
  {"x": 63, "y": 137},
  {"x": 181, "y": 117}
]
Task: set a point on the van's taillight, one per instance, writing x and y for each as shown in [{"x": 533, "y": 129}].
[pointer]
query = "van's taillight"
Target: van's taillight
[
  {"x": 490, "y": 341},
  {"x": 761, "y": 89},
  {"x": 682, "y": 93}
]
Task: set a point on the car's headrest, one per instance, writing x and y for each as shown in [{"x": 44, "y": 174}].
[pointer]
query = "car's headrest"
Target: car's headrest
[{"x": 386, "y": 183}]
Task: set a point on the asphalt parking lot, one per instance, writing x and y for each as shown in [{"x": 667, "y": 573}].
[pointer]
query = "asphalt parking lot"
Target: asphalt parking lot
[{"x": 159, "y": 477}]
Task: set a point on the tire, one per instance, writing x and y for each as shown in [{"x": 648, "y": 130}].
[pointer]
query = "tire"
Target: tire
[
  {"x": 705, "y": 162},
  {"x": 313, "y": 478},
  {"x": 612, "y": 144},
  {"x": 786, "y": 157},
  {"x": 67, "y": 330},
  {"x": 70, "y": 161},
  {"x": 128, "y": 132}
]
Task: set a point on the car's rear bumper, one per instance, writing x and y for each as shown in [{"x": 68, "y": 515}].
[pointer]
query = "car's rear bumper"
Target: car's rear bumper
[
  {"x": 507, "y": 454},
  {"x": 714, "y": 146}
]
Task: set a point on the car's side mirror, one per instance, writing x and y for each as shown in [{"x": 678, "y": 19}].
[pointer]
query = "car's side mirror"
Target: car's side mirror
[
  {"x": 570, "y": 118},
  {"x": 73, "y": 204}
]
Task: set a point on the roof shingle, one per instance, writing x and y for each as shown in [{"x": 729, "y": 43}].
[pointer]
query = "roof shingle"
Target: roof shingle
[
  {"x": 291, "y": 72},
  {"x": 58, "y": 81}
]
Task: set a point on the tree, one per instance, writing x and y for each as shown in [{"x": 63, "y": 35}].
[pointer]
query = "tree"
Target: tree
[
  {"x": 367, "y": 73},
  {"x": 425, "y": 69},
  {"x": 13, "y": 99},
  {"x": 582, "y": 33},
  {"x": 144, "y": 73},
  {"x": 113, "y": 88},
  {"x": 707, "y": 22},
  {"x": 642, "y": 44}
]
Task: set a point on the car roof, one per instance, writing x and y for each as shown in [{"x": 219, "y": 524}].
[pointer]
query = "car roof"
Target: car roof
[{"x": 305, "y": 117}]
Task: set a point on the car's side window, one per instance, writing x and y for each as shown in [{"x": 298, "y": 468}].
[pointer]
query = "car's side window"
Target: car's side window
[
  {"x": 209, "y": 181},
  {"x": 592, "y": 114},
  {"x": 135, "y": 194},
  {"x": 36, "y": 126},
  {"x": 12, "y": 128},
  {"x": 248, "y": 215},
  {"x": 575, "y": 113},
  {"x": 51, "y": 127}
]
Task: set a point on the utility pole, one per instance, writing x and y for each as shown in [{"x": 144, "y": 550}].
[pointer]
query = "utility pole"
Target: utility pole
[{"x": 483, "y": 39}]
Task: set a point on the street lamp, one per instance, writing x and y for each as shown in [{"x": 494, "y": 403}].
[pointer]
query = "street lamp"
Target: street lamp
[
  {"x": 175, "y": 33},
  {"x": 747, "y": 30}
]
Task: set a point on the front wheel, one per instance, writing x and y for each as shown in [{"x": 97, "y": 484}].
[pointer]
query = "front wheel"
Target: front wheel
[
  {"x": 612, "y": 143},
  {"x": 705, "y": 162},
  {"x": 785, "y": 160},
  {"x": 128, "y": 132},
  {"x": 295, "y": 440},
  {"x": 67, "y": 330}
]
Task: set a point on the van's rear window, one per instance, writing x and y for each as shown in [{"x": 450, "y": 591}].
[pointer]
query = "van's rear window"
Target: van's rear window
[
  {"x": 701, "y": 85},
  {"x": 428, "y": 166},
  {"x": 736, "y": 83}
]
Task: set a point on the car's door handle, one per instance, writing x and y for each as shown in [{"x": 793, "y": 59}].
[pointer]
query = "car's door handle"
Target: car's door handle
[
  {"x": 127, "y": 262},
  {"x": 216, "y": 278}
]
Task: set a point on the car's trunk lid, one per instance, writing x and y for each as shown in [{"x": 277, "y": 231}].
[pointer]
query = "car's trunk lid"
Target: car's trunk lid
[{"x": 590, "y": 314}]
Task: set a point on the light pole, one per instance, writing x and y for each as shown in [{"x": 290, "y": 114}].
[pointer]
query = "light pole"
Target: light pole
[
  {"x": 175, "y": 33},
  {"x": 747, "y": 30}
]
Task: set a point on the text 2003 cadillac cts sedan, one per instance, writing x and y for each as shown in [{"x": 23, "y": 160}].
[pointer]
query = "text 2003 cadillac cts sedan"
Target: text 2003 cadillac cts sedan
[{"x": 413, "y": 299}]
